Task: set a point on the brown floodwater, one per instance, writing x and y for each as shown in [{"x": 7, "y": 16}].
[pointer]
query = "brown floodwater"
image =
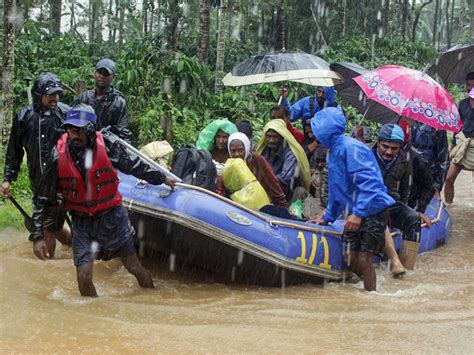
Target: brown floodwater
[{"x": 430, "y": 310}]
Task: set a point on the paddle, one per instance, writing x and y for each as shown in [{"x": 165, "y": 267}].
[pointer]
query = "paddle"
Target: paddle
[{"x": 28, "y": 220}]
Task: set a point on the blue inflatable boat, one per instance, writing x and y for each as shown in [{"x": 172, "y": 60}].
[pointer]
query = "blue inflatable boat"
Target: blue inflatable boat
[{"x": 200, "y": 229}]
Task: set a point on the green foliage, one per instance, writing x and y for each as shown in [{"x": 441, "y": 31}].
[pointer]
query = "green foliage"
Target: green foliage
[
  {"x": 375, "y": 52},
  {"x": 20, "y": 189}
]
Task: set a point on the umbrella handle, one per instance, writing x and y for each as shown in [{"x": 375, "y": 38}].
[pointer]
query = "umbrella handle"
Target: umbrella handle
[{"x": 365, "y": 113}]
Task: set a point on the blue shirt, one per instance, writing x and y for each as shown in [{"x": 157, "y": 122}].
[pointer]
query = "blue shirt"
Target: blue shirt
[{"x": 283, "y": 165}]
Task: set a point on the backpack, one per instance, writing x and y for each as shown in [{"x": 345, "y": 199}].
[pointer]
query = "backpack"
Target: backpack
[{"x": 195, "y": 167}]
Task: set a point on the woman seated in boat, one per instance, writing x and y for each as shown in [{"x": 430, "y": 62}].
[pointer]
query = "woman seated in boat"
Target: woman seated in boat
[
  {"x": 213, "y": 138},
  {"x": 239, "y": 147},
  {"x": 241, "y": 186}
]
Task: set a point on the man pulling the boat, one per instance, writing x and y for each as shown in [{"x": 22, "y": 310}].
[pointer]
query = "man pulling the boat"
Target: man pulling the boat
[
  {"x": 355, "y": 186},
  {"x": 81, "y": 176}
]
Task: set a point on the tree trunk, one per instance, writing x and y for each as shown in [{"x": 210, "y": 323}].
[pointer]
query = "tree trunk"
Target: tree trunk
[
  {"x": 281, "y": 28},
  {"x": 448, "y": 27},
  {"x": 92, "y": 20},
  {"x": 72, "y": 19},
  {"x": 121, "y": 25},
  {"x": 244, "y": 30},
  {"x": 471, "y": 10},
  {"x": 145, "y": 17},
  {"x": 109, "y": 20},
  {"x": 204, "y": 26},
  {"x": 404, "y": 18},
  {"x": 7, "y": 70},
  {"x": 173, "y": 20},
  {"x": 435, "y": 23},
  {"x": 344, "y": 18},
  {"x": 417, "y": 19},
  {"x": 55, "y": 16},
  {"x": 386, "y": 17},
  {"x": 220, "y": 50},
  {"x": 116, "y": 16}
]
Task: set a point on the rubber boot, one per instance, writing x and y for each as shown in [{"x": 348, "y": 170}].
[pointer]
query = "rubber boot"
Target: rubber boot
[
  {"x": 396, "y": 267},
  {"x": 409, "y": 253}
]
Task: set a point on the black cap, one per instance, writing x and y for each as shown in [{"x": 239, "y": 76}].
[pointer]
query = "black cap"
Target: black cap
[{"x": 107, "y": 64}]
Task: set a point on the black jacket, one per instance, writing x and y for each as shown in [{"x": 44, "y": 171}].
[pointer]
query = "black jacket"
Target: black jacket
[
  {"x": 422, "y": 190},
  {"x": 467, "y": 117},
  {"x": 397, "y": 178},
  {"x": 121, "y": 158},
  {"x": 111, "y": 110},
  {"x": 432, "y": 145},
  {"x": 36, "y": 133}
]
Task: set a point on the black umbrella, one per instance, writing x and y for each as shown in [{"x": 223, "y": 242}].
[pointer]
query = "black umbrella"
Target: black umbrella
[
  {"x": 282, "y": 66},
  {"x": 453, "y": 65}
]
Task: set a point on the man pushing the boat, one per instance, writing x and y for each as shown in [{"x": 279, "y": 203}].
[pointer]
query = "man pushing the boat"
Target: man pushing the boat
[
  {"x": 355, "y": 186},
  {"x": 81, "y": 175}
]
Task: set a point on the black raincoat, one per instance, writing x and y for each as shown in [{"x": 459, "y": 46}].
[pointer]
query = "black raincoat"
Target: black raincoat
[
  {"x": 36, "y": 132},
  {"x": 422, "y": 189},
  {"x": 432, "y": 145},
  {"x": 111, "y": 110}
]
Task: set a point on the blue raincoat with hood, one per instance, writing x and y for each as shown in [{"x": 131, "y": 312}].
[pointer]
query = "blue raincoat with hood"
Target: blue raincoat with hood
[
  {"x": 301, "y": 109},
  {"x": 355, "y": 182}
]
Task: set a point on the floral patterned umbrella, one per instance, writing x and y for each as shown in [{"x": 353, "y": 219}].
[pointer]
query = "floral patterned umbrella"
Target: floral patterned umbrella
[{"x": 395, "y": 91}]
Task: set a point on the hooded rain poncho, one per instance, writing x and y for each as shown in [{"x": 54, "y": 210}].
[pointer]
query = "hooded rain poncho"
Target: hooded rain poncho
[
  {"x": 355, "y": 182},
  {"x": 206, "y": 137},
  {"x": 279, "y": 126}
]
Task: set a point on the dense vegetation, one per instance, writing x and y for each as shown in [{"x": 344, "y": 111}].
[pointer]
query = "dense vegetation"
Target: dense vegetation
[{"x": 164, "y": 75}]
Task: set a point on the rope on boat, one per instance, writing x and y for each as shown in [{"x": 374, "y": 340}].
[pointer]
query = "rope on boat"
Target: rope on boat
[{"x": 274, "y": 222}]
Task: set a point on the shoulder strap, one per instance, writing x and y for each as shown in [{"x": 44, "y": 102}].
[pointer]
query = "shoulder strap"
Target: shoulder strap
[{"x": 195, "y": 158}]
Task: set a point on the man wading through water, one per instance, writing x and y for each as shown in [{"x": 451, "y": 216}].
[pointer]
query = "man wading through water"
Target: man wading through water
[
  {"x": 355, "y": 186},
  {"x": 81, "y": 174}
]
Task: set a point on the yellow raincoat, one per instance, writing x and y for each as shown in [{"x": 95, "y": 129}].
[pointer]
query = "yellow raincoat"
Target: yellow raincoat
[
  {"x": 279, "y": 126},
  {"x": 244, "y": 186}
]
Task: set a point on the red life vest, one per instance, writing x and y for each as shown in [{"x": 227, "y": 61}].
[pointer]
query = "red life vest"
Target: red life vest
[{"x": 100, "y": 190}]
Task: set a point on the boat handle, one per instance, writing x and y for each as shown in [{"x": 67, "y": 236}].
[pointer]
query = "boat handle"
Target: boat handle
[{"x": 141, "y": 184}]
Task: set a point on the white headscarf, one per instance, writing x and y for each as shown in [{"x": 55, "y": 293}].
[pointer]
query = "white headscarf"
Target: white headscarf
[{"x": 241, "y": 137}]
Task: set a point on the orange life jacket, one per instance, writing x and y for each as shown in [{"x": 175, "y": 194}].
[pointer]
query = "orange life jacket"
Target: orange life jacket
[{"x": 100, "y": 190}]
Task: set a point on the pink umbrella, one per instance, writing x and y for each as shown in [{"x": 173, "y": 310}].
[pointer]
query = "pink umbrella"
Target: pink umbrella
[{"x": 411, "y": 94}]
